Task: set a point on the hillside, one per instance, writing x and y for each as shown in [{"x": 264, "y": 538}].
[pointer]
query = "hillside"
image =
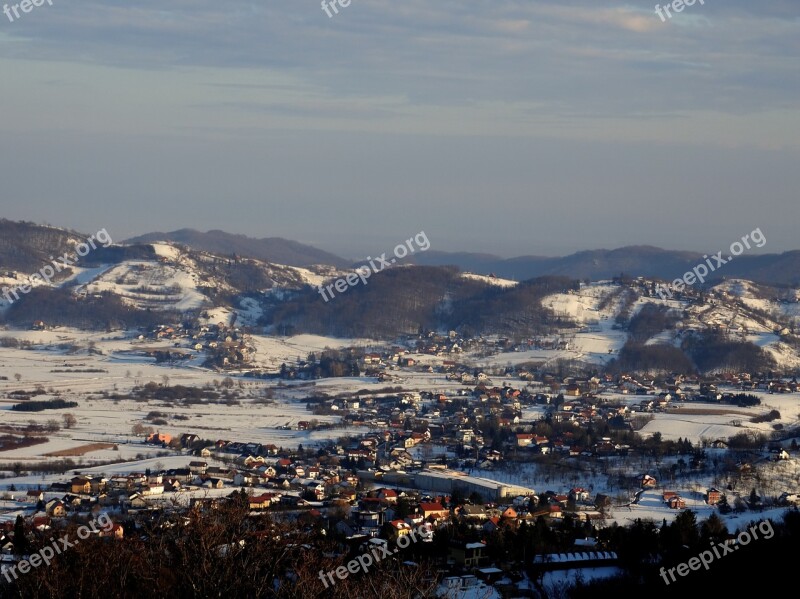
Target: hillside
[
  {"x": 619, "y": 323},
  {"x": 26, "y": 246},
  {"x": 269, "y": 249}
]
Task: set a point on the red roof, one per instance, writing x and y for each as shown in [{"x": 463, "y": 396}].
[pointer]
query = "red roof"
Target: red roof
[{"x": 262, "y": 498}]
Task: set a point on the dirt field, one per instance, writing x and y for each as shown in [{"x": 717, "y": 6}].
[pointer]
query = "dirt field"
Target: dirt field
[
  {"x": 79, "y": 451},
  {"x": 710, "y": 412}
]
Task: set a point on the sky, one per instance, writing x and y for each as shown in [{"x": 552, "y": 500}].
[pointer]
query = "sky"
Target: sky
[{"x": 511, "y": 127}]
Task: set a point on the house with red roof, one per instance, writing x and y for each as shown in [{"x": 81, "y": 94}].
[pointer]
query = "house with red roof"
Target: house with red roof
[{"x": 433, "y": 510}]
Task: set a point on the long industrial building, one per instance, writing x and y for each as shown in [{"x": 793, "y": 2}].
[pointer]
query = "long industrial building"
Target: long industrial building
[{"x": 446, "y": 481}]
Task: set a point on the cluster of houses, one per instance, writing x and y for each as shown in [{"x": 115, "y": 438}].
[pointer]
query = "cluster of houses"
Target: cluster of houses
[{"x": 225, "y": 346}]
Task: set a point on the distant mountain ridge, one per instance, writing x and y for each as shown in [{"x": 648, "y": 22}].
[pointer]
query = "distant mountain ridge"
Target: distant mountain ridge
[
  {"x": 27, "y": 246},
  {"x": 270, "y": 249},
  {"x": 644, "y": 261}
]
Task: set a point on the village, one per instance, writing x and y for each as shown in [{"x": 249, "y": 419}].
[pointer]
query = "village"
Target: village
[{"x": 444, "y": 459}]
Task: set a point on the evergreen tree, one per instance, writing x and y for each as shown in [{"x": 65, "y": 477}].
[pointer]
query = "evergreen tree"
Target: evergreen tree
[
  {"x": 685, "y": 527},
  {"x": 20, "y": 541},
  {"x": 712, "y": 529}
]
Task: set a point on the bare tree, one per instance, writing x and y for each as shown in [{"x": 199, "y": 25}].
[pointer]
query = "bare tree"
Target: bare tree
[
  {"x": 140, "y": 430},
  {"x": 69, "y": 420}
]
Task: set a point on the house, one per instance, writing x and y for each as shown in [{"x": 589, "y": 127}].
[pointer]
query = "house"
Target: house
[
  {"x": 713, "y": 496},
  {"x": 55, "y": 508},
  {"x": 465, "y": 435},
  {"x": 509, "y": 514},
  {"x": 578, "y": 494},
  {"x": 125, "y": 483},
  {"x": 198, "y": 467},
  {"x": 316, "y": 488},
  {"x": 136, "y": 501},
  {"x": 433, "y": 510},
  {"x": 473, "y": 512},
  {"x": 525, "y": 439},
  {"x": 189, "y": 439},
  {"x": 251, "y": 461},
  {"x": 676, "y": 502},
  {"x": 213, "y": 483},
  {"x": 183, "y": 475},
  {"x": 271, "y": 449},
  {"x": 261, "y": 502},
  {"x": 400, "y": 528},
  {"x": 647, "y": 481},
  {"x": 159, "y": 439},
  {"x": 387, "y": 495},
  {"x": 80, "y": 485},
  {"x": 33, "y": 497},
  {"x": 368, "y": 516},
  {"x": 468, "y": 555},
  {"x": 242, "y": 479},
  {"x": 115, "y": 532},
  {"x": 60, "y": 487},
  {"x": 71, "y": 501}
]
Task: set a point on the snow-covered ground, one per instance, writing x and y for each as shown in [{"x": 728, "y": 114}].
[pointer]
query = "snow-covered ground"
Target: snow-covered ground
[{"x": 496, "y": 281}]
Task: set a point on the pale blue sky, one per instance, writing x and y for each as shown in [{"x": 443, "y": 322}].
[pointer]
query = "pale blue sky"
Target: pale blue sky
[{"x": 502, "y": 126}]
